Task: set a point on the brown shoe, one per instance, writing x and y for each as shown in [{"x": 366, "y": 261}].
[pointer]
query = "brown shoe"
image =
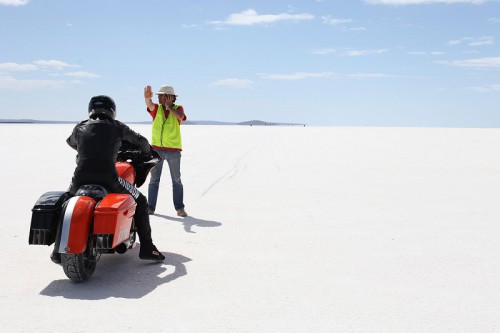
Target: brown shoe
[
  {"x": 151, "y": 211},
  {"x": 181, "y": 212}
]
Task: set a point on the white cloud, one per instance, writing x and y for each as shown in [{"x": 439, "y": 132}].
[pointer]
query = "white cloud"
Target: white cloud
[
  {"x": 323, "y": 75},
  {"x": 488, "y": 88},
  {"x": 470, "y": 41},
  {"x": 298, "y": 76},
  {"x": 334, "y": 21},
  {"x": 13, "y": 2},
  {"x": 46, "y": 67},
  {"x": 251, "y": 17},
  {"x": 82, "y": 74},
  {"x": 483, "y": 41},
  {"x": 342, "y": 23},
  {"x": 454, "y": 42},
  {"x": 372, "y": 75},
  {"x": 422, "y": 53},
  {"x": 235, "y": 83},
  {"x": 57, "y": 64},
  {"x": 478, "y": 63},
  {"x": 349, "y": 53},
  {"x": 357, "y": 53},
  {"x": 15, "y": 67},
  {"x": 191, "y": 26},
  {"x": 11, "y": 83},
  {"x": 324, "y": 51},
  {"x": 356, "y": 29},
  {"x": 418, "y": 2},
  {"x": 470, "y": 52}
]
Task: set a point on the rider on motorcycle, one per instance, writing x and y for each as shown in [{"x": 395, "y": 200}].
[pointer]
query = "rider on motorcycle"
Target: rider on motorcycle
[{"x": 97, "y": 141}]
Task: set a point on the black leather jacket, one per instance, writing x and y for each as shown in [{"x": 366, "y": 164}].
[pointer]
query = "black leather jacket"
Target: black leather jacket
[{"x": 97, "y": 142}]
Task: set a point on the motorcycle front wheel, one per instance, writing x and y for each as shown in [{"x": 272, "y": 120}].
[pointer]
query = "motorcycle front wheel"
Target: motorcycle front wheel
[{"x": 79, "y": 267}]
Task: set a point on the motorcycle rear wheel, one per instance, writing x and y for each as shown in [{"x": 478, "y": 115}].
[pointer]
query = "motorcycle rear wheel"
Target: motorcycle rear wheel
[{"x": 79, "y": 267}]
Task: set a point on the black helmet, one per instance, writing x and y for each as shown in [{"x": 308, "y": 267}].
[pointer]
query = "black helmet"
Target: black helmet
[{"x": 102, "y": 105}]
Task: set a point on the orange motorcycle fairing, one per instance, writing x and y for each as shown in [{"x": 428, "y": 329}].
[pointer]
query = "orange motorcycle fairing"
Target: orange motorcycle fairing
[
  {"x": 126, "y": 171},
  {"x": 76, "y": 223},
  {"x": 113, "y": 219}
]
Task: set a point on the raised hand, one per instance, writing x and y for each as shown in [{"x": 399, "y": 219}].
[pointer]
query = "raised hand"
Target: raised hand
[{"x": 148, "y": 93}]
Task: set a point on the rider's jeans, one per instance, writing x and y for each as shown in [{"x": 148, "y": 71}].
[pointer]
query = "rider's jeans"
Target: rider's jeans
[{"x": 174, "y": 163}]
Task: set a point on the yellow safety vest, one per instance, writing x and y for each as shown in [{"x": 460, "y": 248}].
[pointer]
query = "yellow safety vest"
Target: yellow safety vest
[{"x": 166, "y": 131}]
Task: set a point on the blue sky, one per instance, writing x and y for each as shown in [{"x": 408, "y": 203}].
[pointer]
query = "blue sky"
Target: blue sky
[{"x": 323, "y": 62}]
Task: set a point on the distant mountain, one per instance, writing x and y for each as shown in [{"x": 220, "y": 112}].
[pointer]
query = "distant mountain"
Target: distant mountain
[
  {"x": 265, "y": 123},
  {"x": 206, "y": 122},
  {"x": 187, "y": 122},
  {"x": 256, "y": 123},
  {"x": 32, "y": 121}
]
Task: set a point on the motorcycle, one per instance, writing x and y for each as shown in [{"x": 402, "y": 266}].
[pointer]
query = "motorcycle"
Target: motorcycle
[{"x": 93, "y": 221}]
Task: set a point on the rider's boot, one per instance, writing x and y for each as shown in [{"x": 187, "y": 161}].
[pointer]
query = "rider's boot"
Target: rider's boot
[{"x": 150, "y": 252}]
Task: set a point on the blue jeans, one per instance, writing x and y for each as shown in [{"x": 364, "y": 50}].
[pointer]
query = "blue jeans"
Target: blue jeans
[{"x": 174, "y": 163}]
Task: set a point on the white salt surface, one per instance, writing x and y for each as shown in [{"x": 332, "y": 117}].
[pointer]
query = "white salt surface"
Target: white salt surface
[{"x": 291, "y": 229}]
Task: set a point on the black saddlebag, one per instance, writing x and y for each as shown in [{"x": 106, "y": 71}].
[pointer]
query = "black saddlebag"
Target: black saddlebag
[{"x": 45, "y": 217}]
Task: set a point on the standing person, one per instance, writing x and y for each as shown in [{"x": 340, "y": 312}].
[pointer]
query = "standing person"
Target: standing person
[
  {"x": 166, "y": 130},
  {"x": 97, "y": 141}
]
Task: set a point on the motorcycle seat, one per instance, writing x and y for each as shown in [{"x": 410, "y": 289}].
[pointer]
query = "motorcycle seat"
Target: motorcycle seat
[{"x": 97, "y": 192}]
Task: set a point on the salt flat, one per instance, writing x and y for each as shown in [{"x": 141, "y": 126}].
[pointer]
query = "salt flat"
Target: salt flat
[{"x": 291, "y": 229}]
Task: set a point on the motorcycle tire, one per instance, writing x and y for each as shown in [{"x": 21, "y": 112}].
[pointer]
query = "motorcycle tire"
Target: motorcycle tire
[{"x": 79, "y": 267}]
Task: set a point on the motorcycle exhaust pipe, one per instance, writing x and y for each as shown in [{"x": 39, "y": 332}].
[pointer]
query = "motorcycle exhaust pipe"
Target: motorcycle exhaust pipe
[{"x": 123, "y": 247}]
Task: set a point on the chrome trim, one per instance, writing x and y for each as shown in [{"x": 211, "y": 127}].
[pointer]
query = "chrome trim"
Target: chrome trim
[{"x": 66, "y": 223}]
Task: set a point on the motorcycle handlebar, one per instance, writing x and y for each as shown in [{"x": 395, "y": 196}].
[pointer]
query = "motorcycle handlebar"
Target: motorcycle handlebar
[{"x": 131, "y": 153}]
